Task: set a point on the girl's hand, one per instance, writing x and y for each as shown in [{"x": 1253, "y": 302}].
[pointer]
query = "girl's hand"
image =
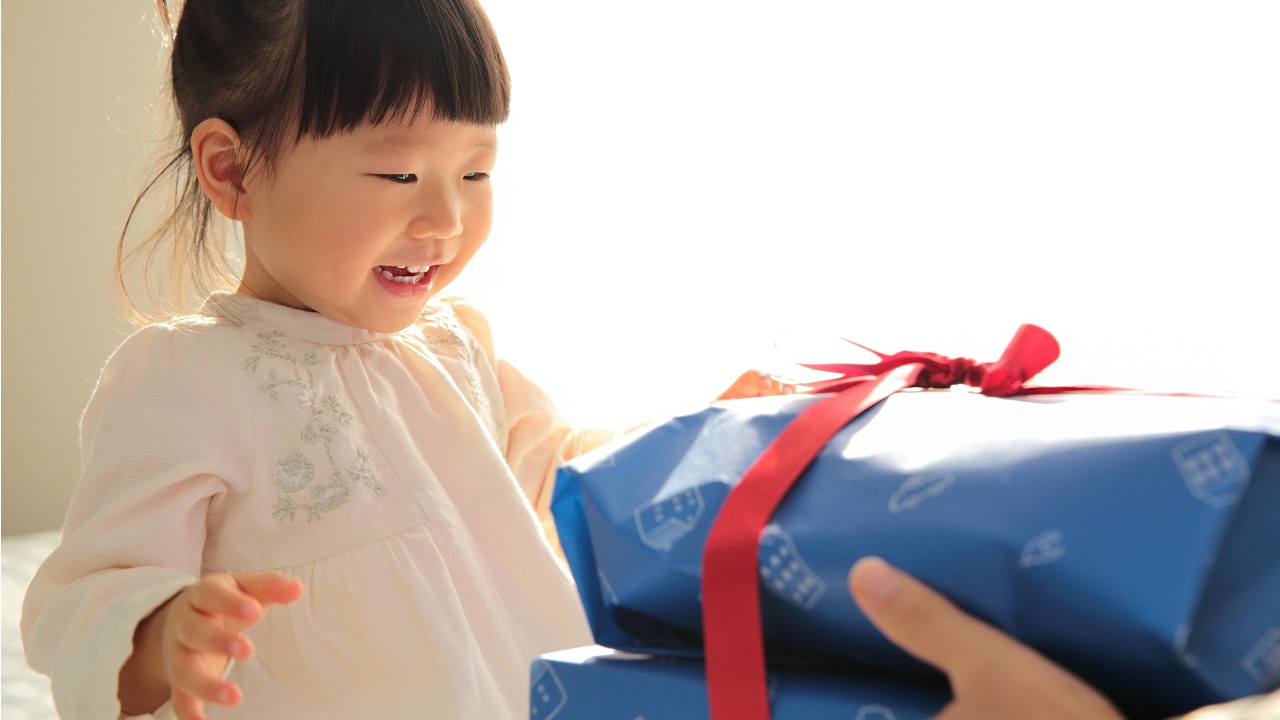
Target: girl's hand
[
  {"x": 199, "y": 631},
  {"x": 754, "y": 383},
  {"x": 993, "y": 676}
]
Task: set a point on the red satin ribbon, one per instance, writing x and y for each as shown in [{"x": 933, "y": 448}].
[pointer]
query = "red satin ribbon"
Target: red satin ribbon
[
  {"x": 734, "y": 642},
  {"x": 1031, "y": 350}
]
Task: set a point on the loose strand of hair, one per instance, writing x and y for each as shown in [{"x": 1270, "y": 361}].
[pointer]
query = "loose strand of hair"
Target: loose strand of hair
[
  {"x": 125, "y": 260},
  {"x": 197, "y": 261}
]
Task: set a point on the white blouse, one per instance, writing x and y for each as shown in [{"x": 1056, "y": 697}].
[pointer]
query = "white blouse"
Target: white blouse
[{"x": 395, "y": 475}]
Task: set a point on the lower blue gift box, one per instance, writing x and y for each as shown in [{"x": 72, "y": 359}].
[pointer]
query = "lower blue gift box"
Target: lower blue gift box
[
  {"x": 595, "y": 683},
  {"x": 1134, "y": 539}
]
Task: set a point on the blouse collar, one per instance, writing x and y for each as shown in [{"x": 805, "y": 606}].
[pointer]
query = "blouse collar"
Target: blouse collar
[{"x": 302, "y": 324}]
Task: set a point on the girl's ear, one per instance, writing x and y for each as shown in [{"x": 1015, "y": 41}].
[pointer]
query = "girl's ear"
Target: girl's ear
[{"x": 215, "y": 148}]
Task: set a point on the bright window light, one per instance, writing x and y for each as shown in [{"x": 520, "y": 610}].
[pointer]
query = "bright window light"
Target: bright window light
[{"x": 683, "y": 182}]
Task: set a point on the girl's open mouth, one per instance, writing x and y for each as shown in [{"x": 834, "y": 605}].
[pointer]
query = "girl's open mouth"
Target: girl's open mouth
[
  {"x": 403, "y": 273},
  {"x": 406, "y": 280}
]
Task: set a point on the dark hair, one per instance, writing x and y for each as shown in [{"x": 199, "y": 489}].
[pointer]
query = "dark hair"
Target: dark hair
[{"x": 281, "y": 70}]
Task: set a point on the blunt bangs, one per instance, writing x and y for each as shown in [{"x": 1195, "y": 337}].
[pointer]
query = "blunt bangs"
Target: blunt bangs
[{"x": 397, "y": 58}]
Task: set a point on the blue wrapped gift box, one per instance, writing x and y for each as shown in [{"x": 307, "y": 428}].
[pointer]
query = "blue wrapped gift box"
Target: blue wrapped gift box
[
  {"x": 595, "y": 683},
  {"x": 1133, "y": 538}
]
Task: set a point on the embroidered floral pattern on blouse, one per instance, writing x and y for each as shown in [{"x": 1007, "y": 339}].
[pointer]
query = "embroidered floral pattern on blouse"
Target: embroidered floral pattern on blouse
[
  {"x": 453, "y": 339},
  {"x": 295, "y": 475}
]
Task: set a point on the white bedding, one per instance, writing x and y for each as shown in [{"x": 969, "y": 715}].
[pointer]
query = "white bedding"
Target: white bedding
[{"x": 25, "y": 692}]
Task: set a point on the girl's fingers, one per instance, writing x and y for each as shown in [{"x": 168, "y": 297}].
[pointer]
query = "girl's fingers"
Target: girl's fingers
[
  {"x": 199, "y": 677},
  {"x": 220, "y": 595},
  {"x": 242, "y": 597},
  {"x": 756, "y": 383},
  {"x": 200, "y": 633},
  {"x": 186, "y": 707},
  {"x": 740, "y": 387},
  {"x": 777, "y": 386},
  {"x": 269, "y": 588}
]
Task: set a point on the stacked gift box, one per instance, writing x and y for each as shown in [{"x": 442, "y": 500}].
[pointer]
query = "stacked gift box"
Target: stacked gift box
[
  {"x": 598, "y": 683},
  {"x": 1132, "y": 538}
]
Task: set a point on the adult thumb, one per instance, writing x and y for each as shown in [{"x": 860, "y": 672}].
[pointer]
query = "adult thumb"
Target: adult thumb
[{"x": 915, "y": 617}]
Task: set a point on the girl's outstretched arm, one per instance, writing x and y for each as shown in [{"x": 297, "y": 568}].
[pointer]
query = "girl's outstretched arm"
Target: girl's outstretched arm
[
  {"x": 182, "y": 649},
  {"x": 167, "y": 440}
]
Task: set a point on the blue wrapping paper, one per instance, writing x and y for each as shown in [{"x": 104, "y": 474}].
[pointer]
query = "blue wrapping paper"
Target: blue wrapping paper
[
  {"x": 594, "y": 683},
  {"x": 1133, "y": 538}
]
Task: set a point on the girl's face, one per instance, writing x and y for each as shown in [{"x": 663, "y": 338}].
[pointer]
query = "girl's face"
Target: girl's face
[{"x": 411, "y": 200}]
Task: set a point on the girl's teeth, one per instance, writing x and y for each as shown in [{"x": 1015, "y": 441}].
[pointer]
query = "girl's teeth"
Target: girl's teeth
[
  {"x": 416, "y": 277},
  {"x": 418, "y": 272}
]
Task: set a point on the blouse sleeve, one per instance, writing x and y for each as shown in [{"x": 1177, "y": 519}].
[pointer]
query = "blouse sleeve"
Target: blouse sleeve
[
  {"x": 158, "y": 439},
  {"x": 538, "y": 439}
]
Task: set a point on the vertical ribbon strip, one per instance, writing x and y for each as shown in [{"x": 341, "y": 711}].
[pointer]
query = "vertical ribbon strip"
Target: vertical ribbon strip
[{"x": 733, "y": 637}]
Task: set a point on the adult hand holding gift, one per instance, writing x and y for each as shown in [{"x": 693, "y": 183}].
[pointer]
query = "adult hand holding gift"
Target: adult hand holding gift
[{"x": 993, "y": 676}]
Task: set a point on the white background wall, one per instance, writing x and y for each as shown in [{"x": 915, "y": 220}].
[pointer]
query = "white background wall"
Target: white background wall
[{"x": 682, "y": 181}]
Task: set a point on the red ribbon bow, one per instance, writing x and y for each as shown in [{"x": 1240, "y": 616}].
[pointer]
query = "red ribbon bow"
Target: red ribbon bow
[
  {"x": 736, "y": 684},
  {"x": 1031, "y": 350}
]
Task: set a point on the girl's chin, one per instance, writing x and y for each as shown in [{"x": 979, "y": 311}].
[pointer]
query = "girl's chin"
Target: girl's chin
[{"x": 392, "y": 322}]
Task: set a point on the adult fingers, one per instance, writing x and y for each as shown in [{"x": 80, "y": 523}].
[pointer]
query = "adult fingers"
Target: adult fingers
[
  {"x": 918, "y": 619},
  {"x": 993, "y": 676}
]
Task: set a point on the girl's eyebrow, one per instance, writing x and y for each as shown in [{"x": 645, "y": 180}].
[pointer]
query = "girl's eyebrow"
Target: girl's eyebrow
[
  {"x": 390, "y": 143},
  {"x": 403, "y": 141}
]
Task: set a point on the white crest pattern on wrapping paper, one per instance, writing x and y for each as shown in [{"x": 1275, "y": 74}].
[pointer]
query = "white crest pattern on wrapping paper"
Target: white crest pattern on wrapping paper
[
  {"x": 874, "y": 712},
  {"x": 785, "y": 573},
  {"x": 1043, "y": 549},
  {"x": 1262, "y": 662},
  {"x": 295, "y": 474},
  {"x": 663, "y": 522},
  {"x": 918, "y": 488},
  {"x": 547, "y": 696},
  {"x": 1213, "y": 468}
]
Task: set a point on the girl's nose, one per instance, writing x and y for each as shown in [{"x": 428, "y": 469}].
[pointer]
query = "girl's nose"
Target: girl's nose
[{"x": 439, "y": 214}]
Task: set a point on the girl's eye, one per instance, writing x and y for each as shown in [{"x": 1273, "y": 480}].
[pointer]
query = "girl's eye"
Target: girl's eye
[
  {"x": 401, "y": 178},
  {"x": 476, "y": 176}
]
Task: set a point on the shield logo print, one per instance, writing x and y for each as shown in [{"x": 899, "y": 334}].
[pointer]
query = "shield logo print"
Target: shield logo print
[
  {"x": 1213, "y": 468},
  {"x": 664, "y": 522},
  {"x": 546, "y": 694}
]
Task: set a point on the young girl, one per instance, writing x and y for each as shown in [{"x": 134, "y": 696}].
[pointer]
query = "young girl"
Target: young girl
[{"x": 330, "y": 424}]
